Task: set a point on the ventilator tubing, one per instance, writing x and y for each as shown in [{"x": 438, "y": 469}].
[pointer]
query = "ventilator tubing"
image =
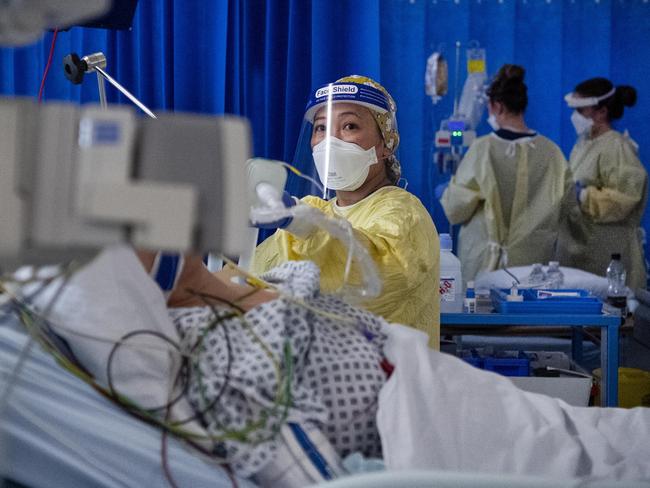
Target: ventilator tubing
[{"x": 340, "y": 229}]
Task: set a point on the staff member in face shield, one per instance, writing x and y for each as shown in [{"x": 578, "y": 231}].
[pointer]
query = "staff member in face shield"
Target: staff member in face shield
[
  {"x": 610, "y": 180},
  {"x": 351, "y": 127},
  {"x": 512, "y": 188}
]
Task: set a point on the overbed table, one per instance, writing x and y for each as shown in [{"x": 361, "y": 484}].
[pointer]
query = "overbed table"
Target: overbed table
[{"x": 609, "y": 345}]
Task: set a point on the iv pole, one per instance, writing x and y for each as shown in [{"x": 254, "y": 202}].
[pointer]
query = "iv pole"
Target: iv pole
[{"x": 75, "y": 68}]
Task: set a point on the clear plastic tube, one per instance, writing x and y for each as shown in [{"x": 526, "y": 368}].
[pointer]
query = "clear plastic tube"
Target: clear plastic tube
[{"x": 342, "y": 230}]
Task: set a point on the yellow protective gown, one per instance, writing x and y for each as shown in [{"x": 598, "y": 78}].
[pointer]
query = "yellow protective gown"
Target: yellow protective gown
[
  {"x": 612, "y": 205},
  {"x": 509, "y": 197},
  {"x": 402, "y": 240}
]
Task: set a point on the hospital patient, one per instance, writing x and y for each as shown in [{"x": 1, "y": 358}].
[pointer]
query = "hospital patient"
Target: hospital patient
[
  {"x": 373, "y": 388},
  {"x": 271, "y": 357}
]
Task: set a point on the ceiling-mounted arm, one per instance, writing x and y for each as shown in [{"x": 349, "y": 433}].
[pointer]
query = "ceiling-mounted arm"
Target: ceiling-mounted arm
[{"x": 75, "y": 68}]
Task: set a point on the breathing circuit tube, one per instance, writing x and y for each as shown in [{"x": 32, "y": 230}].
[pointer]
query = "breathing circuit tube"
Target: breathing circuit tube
[{"x": 274, "y": 210}]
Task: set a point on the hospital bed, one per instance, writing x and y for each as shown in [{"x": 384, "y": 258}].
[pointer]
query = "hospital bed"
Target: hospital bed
[
  {"x": 58, "y": 431},
  {"x": 463, "y": 426}
]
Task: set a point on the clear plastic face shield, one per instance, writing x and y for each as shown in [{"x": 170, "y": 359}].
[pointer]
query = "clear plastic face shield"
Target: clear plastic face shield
[
  {"x": 575, "y": 100},
  {"x": 345, "y": 136},
  {"x": 582, "y": 124}
]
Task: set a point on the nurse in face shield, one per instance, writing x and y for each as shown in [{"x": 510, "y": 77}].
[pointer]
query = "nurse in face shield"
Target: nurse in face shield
[
  {"x": 610, "y": 180},
  {"x": 350, "y": 130}
]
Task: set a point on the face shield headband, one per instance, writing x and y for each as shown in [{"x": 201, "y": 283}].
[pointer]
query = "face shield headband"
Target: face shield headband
[
  {"x": 574, "y": 101},
  {"x": 335, "y": 161},
  {"x": 381, "y": 105},
  {"x": 365, "y": 95}
]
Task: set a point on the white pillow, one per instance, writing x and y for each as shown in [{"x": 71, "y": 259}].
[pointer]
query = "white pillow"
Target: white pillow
[{"x": 105, "y": 300}]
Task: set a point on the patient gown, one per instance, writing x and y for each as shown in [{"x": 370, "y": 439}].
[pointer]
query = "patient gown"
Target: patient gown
[{"x": 334, "y": 369}]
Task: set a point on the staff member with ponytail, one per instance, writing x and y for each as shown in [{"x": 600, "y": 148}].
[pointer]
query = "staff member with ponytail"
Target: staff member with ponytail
[{"x": 610, "y": 180}]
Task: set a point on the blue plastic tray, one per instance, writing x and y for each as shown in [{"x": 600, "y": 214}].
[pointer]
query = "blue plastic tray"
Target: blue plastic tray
[
  {"x": 537, "y": 301},
  {"x": 475, "y": 361},
  {"x": 508, "y": 366},
  {"x": 502, "y": 364}
]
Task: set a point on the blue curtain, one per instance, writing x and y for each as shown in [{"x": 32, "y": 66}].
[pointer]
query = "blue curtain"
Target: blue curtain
[{"x": 261, "y": 59}]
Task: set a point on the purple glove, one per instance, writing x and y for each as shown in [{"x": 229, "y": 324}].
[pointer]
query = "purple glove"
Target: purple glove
[{"x": 440, "y": 189}]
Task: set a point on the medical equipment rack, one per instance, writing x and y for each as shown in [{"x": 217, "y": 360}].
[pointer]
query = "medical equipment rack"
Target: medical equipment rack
[{"x": 609, "y": 343}]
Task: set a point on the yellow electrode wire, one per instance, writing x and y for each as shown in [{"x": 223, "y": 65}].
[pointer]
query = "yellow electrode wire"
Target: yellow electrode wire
[
  {"x": 30, "y": 319},
  {"x": 261, "y": 284},
  {"x": 297, "y": 172}
]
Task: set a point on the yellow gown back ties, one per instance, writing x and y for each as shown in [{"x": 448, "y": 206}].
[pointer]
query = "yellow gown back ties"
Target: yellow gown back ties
[{"x": 511, "y": 198}]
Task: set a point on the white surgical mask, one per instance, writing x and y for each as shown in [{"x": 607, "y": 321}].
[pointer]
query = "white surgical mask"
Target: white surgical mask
[
  {"x": 349, "y": 163},
  {"x": 581, "y": 124},
  {"x": 492, "y": 120}
]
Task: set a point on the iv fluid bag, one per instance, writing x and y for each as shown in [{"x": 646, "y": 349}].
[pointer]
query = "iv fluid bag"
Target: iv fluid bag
[{"x": 472, "y": 100}]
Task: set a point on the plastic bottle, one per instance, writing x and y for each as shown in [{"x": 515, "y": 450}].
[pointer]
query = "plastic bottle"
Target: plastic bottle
[
  {"x": 469, "y": 304},
  {"x": 451, "y": 282},
  {"x": 514, "y": 295},
  {"x": 554, "y": 276},
  {"x": 616, "y": 289},
  {"x": 537, "y": 275}
]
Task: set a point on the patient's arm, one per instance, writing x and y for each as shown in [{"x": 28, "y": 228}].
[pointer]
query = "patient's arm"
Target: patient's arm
[{"x": 196, "y": 283}]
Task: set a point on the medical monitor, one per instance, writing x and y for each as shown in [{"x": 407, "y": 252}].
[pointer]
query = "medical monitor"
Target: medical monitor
[
  {"x": 170, "y": 149},
  {"x": 75, "y": 179}
]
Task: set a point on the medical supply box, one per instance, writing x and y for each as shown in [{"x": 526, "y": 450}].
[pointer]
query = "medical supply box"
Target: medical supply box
[
  {"x": 575, "y": 391},
  {"x": 574, "y": 301},
  {"x": 560, "y": 376}
]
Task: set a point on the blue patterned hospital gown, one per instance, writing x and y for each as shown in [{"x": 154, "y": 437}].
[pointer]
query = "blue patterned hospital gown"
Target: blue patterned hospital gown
[{"x": 336, "y": 372}]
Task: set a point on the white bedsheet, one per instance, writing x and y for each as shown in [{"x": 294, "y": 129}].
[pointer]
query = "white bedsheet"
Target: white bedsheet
[{"x": 438, "y": 412}]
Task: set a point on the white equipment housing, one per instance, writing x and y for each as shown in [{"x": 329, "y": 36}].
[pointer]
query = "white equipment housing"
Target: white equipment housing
[{"x": 74, "y": 179}]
